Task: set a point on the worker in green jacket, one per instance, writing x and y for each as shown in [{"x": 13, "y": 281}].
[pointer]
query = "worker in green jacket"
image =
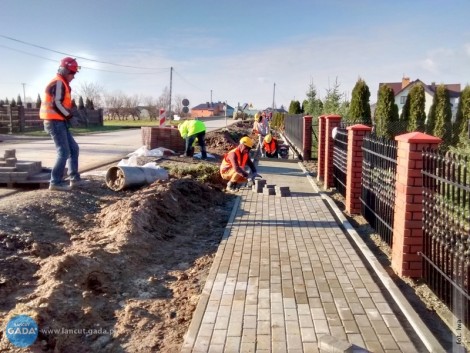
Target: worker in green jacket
[{"x": 190, "y": 130}]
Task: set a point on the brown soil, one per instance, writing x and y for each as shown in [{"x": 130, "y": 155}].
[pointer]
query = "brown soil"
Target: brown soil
[{"x": 123, "y": 269}]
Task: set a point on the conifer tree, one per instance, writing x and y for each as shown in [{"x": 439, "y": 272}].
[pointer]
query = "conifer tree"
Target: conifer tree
[
  {"x": 38, "y": 102},
  {"x": 332, "y": 100},
  {"x": 359, "y": 108},
  {"x": 442, "y": 116},
  {"x": 81, "y": 105},
  {"x": 386, "y": 112},
  {"x": 314, "y": 105},
  {"x": 18, "y": 100},
  {"x": 417, "y": 106},
  {"x": 294, "y": 107},
  {"x": 460, "y": 130},
  {"x": 13, "y": 102}
]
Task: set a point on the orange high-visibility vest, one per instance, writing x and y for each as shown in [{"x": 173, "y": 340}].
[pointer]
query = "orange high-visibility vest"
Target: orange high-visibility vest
[
  {"x": 47, "y": 111},
  {"x": 241, "y": 159},
  {"x": 270, "y": 147}
]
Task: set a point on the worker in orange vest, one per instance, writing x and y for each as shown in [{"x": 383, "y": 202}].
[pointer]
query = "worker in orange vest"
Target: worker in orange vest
[
  {"x": 56, "y": 111},
  {"x": 270, "y": 146},
  {"x": 233, "y": 165}
]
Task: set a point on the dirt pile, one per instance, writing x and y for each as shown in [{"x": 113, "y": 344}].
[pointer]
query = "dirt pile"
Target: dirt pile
[{"x": 105, "y": 271}]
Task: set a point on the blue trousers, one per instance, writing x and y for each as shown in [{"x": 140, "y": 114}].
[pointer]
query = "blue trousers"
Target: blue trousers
[{"x": 67, "y": 150}]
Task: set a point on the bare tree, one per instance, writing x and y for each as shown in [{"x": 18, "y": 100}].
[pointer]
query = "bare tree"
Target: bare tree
[{"x": 93, "y": 92}]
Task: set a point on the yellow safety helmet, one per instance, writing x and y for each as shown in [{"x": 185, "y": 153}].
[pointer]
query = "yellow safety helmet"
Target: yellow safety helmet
[
  {"x": 257, "y": 117},
  {"x": 268, "y": 138},
  {"x": 248, "y": 142}
]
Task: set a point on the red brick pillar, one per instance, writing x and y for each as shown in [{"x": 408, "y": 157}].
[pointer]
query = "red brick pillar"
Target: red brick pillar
[
  {"x": 321, "y": 147},
  {"x": 332, "y": 121},
  {"x": 356, "y": 135},
  {"x": 307, "y": 138},
  {"x": 408, "y": 216}
]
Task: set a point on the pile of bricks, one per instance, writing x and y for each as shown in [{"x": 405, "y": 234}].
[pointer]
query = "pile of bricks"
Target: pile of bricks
[
  {"x": 167, "y": 137},
  {"x": 14, "y": 171}
]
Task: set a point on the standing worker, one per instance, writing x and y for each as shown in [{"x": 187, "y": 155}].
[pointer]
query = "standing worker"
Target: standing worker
[
  {"x": 234, "y": 162},
  {"x": 270, "y": 146},
  {"x": 190, "y": 130},
  {"x": 56, "y": 111},
  {"x": 260, "y": 128}
]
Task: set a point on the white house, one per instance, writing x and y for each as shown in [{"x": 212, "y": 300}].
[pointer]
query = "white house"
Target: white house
[{"x": 402, "y": 89}]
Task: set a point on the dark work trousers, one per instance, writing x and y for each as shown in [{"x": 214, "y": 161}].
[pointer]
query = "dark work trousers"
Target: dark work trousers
[{"x": 200, "y": 140}]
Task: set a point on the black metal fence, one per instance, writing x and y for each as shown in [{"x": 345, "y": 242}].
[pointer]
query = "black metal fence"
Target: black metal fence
[
  {"x": 378, "y": 184},
  {"x": 446, "y": 225},
  {"x": 294, "y": 130},
  {"x": 340, "y": 155}
]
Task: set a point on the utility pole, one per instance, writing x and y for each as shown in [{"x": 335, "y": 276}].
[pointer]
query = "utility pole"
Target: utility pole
[
  {"x": 274, "y": 95},
  {"x": 171, "y": 84},
  {"x": 24, "y": 96}
]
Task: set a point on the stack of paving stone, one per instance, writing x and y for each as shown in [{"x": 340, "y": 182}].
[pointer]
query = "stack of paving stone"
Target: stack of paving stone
[
  {"x": 14, "y": 171},
  {"x": 269, "y": 190},
  {"x": 282, "y": 191},
  {"x": 258, "y": 185},
  {"x": 261, "y": 187}
]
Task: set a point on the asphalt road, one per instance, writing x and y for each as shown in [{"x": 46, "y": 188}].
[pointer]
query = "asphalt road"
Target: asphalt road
[{"x": 95, "y": 149}]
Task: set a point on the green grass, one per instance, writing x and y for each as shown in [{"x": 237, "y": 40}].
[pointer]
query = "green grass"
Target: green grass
[
  {"x": 130, "y": 123},
  {"x": 76, "y": 131}
]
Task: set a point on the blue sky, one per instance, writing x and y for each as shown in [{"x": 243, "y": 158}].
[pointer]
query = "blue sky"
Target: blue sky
[{"x": 234, "y": 50}]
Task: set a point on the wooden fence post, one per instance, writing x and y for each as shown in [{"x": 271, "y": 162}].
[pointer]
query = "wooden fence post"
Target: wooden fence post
[
  {"x": 408, "y": 216},
  {"x": 356, "y": 135}
]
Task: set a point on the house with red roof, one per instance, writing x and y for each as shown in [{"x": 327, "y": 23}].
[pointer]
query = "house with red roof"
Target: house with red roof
[{"x": 402, "y": 89}]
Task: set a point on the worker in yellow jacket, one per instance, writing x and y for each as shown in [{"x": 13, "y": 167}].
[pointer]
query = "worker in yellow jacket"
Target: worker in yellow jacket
[{"x": 190, "y": 130}]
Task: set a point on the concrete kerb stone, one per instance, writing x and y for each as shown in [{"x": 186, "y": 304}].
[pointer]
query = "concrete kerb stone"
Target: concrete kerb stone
[
  {"x": 196, "y": 321},
  {"x": 426, "y": 336}
]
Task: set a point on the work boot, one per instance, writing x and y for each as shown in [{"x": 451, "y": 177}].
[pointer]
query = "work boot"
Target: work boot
[
  {"x": 231, "y": 188},
  {"x": 59, "y": 187},
  {"x": 77, "y": 183}
]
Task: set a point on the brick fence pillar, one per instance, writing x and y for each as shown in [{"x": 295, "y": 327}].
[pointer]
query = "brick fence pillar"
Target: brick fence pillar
[
  {"x": 321, "y": 147},
  {"x": 307, "y": 138},
  {"x": 356, "y": 135},
  {"x": 408, "y": 216},
  {"x": 332, "y": 121}
]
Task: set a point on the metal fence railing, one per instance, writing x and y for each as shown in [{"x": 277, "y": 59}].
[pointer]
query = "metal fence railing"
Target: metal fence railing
[
  {"x": 294, "y": 130},
  {"x": 340, "y": 155},
  {"x": 446, "y": 225},
  {"x": 378, "y": 184}
]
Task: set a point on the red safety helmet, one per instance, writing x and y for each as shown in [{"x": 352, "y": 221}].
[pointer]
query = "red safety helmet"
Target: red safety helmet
[{"x": 70, "y": 64}]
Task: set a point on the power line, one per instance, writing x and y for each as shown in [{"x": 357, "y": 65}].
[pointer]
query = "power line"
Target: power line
[
  {"x": 86, "y": 67},
  {"x": 80, "y": 57}
]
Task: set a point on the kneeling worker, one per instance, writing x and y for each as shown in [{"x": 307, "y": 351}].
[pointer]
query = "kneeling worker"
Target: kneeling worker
[
  {"x": 234, "y": 162},
  {"x": 270, "y": 146},
  {"x": 190, "y": 130}
]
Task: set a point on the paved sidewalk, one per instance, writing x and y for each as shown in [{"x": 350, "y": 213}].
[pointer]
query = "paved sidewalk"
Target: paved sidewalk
[{"x": 287, "y": 278}]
